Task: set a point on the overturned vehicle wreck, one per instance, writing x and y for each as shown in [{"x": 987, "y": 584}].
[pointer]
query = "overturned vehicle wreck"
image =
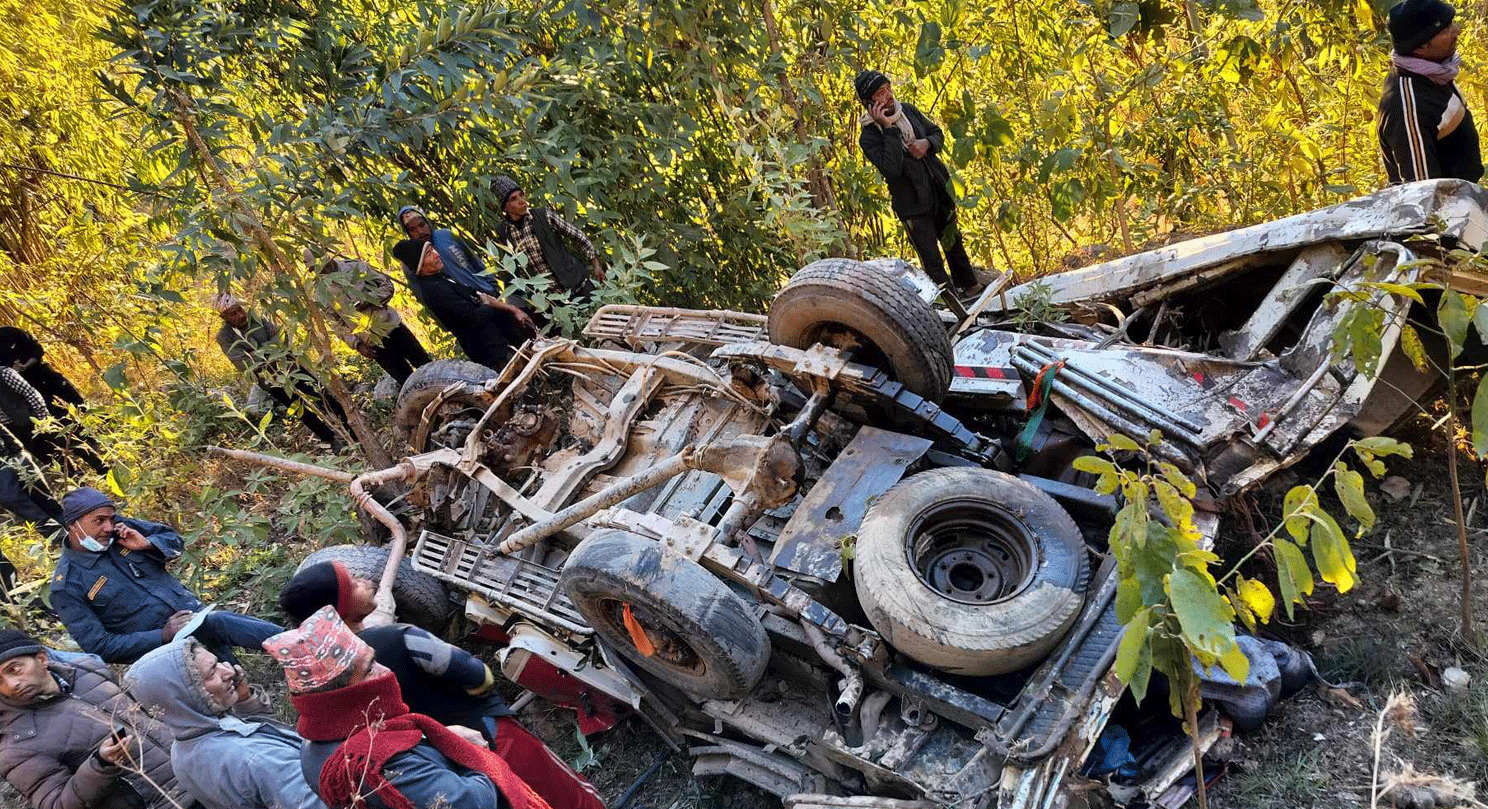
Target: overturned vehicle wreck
[{"x": 833, "y": 551}]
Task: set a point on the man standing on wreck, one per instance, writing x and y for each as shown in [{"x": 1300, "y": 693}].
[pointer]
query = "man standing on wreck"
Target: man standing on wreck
[{"x": 1425, "y": 129}]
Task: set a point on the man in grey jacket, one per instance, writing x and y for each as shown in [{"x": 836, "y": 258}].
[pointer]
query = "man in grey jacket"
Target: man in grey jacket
[
  {"x": 224, "y": 761},
  {"x": 58, "y": 744},
  {"x": 357, "y": 297}
]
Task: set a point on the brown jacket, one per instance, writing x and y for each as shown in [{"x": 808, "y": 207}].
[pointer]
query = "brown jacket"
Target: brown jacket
[{"x": 46, "y": 750}]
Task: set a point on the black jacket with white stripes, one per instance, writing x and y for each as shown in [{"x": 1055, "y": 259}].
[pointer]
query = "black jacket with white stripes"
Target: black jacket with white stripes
[{"x": 1426, "y": 131}]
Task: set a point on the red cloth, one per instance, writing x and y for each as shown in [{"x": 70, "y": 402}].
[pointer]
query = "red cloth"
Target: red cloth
[
  {"x": 549, "y": 775},
  {"x": 344, "y": 588},
  {"x": 376, "y": 725}
]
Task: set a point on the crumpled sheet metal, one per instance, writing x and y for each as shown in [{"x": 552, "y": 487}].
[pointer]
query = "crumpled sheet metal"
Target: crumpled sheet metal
[{"x": 1397, "y": 211}]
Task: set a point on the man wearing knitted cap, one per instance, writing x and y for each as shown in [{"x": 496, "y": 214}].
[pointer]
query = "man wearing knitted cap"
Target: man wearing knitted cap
[
  {"x": 365, "y": 748},
  {"x": 487, "y": 328},
  {"x": 113, "y": 592},
  {"x": 439, "y": 680},
  {"x": 540, "y": 234},
  {"x": 57, "y": 743},
  {"x": 253, "y": 346},
  {"x": 905, "y": 147},
  {"x": 1425, "y": 129}
]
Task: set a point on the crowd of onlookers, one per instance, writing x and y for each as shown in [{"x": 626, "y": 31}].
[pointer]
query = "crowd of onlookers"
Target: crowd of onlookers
[{"x": 388, "y": 716}]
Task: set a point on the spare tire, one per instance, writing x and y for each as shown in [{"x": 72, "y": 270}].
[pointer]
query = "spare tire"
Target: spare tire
[
  {"x": 421, "y": 598},
  {"x": 837, "y": 301},
  {"x": 705, "y": 639},
  {"x": 970, "y": 571},
  {"x": 427, "y": 382}
]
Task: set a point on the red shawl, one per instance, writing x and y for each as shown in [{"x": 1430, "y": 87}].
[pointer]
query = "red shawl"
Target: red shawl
[{"x": 376, "y": 726}]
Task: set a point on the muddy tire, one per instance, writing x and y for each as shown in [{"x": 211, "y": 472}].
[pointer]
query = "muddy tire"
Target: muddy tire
[
  {"x": 707, "y": 640},
  {"x": 838, "y": 297},
  {"x": 970, "y": 571},
  {"x": 428, "y": 381},
  {"x": 421, "y": 598}
]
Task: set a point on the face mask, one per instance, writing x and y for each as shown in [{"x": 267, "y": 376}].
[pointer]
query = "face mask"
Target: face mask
[{"x": 91, "y": 544}]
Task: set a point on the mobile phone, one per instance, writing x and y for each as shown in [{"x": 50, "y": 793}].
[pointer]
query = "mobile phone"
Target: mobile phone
[{"x": 118, "y": 731}]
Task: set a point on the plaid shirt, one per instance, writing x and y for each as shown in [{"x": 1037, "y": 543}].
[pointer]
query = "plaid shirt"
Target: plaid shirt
[
  {"x": 527, "y": 242},
  {"x": 27, "y": 395}
]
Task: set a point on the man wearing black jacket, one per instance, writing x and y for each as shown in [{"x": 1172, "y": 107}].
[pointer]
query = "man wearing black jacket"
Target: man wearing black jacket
[
  {"x": 1425, "y": 129},
  {"x": 903, "y": 145},
  {"x": 487, "y": 328}
]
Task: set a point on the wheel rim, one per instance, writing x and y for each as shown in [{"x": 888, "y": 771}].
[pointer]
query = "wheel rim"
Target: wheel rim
[
  {"x": 673, "y": 652},
  {"x": 972, "y": 552}
]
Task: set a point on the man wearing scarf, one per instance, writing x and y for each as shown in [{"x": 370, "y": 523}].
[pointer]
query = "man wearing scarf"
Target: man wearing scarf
[
  {"x": 904, "y": 146},
  {"x": 439, "y": 680},
  {"x": 364, "y": 748},
  {"x": 1425, "y": 129},
  {"x": 224, "y": 761},
  {"x": 487, "y": 328},
  {"x": 461, "y": 262}
]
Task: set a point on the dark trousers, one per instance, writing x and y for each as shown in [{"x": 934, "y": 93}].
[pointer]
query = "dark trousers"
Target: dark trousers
[
  {"x": 309, "y": 396},
  {"x": 28, "y": 502},
  {"x": 221, "y": 631},
  {"x": 932, "y": 232},
  {"x": 400, "y": 353}
]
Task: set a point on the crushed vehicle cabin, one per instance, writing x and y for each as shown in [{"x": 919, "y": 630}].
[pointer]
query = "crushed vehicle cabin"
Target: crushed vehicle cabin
[{"x": 832, "y": 551}]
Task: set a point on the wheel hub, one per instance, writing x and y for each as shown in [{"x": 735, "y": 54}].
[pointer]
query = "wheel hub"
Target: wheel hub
[{"x": 973, "y": 553}]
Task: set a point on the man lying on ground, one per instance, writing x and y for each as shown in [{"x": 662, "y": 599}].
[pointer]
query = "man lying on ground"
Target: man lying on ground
[
  {"x": 440, "y": 680},
  {"x": 224, "y": 761},
  {"x": 112, "y": 591},
  {"x": 57, "y": 743},
  {"x": 365, "y": 748}
]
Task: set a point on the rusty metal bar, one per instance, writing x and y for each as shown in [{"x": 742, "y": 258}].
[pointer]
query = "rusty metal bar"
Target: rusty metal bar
[
  {"x": 614, "y": 493},
  {"x": 404, "y": 471},
  {"x": 287, "y": 465}
]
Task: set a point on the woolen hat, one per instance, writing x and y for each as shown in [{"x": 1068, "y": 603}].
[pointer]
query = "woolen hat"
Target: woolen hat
[
  {"x": 319, "y": 652},
  {"x": 80, "y": 502},
  {"x": 225, "y": 301},
  {"x": 867, "y": 83},
  {"x": 14, "y": 643},
  {"x": 319, "y": 585},
  {"x": 411, "y": 253},
  {"x": 504, "y": 187},
  {"x": 1414, "y": 22}
]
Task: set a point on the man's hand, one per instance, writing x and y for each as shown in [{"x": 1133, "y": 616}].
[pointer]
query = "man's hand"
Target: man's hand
[
  {"x": 523, "y": 319},
  {"x": 244, "y": 691},
  {"x": 468, "y": 734},
  {"x": 173, "y": 625},
  {"x": 880, "y": 113},
  {"x": 597, "y": 270},
  {"x": 919, "y": 148},
  {"x": 490, "y": 300},
  {"x": 130, "y": 538},
  {"x": 115, "y": 750}
]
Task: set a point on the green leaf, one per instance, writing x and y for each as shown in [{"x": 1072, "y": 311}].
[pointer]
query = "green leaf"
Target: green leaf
[
  {"x": 1256, "y": 597},
  {"x": 1134, "y": 655},
  {"x": 1331, "y": 553},
  {"x": 1177, "y": 508},
  {"x": 1203, "y": 616},
  {"x": 1410, "y": 341},
  {"x": 1242, "y": 610},
  {"x": 1235, "y": 663},
  {"x": 1093, "y": 465},
  {"x": 1480, "y": 418},
  {"x": 1175, "y": 476},
  {"x": 1399, "y": 289},
  {"x": 1350, "y": 488},
  {"x": 1452, "y": 314},
  {"x": 1121, "y": 442},
  {"x": 1123, "y": 18},
  {"x": 1364, "y": 338},
  {"x": 1294, "y": 508},
  {"x": 114, "y": 377},
  {"x": 1293, "y": 577},
  {"x": 1380, "y": 445},
  {"x": 1480, "y": 320}
]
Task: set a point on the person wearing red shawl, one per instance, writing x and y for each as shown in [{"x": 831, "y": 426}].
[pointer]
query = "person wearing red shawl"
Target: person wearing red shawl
[{"x": 364, "y": 749}]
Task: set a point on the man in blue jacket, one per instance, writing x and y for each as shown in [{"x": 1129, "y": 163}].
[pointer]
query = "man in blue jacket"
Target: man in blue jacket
[{"x": 113, "y": 593}]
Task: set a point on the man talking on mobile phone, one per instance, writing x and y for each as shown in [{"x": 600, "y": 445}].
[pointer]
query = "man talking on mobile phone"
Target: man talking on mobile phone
[{"x": 905, "y": 147}]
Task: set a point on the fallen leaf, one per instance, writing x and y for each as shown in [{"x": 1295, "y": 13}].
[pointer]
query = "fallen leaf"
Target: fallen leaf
[
  {"x": 1396, "y": 488},
  {"x": 1339, "y": 698}
]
